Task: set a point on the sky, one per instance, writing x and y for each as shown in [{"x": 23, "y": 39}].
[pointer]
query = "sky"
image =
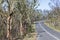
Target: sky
[{"x": 44, "y": 5}]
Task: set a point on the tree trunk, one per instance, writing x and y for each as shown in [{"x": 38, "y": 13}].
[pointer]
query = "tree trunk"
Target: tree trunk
[
  {"x": 8, "y": 32},
  {"x": 9, "y": 21},
  {"x": 21, "y": 28}
]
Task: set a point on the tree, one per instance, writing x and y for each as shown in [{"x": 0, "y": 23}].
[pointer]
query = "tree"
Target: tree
[
  {"x": 18, "y": 19},
  {"x": 55, "y": 12}
]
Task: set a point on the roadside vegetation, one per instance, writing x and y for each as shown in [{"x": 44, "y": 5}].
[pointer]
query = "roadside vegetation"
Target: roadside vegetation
[
  {"x": 31, "y": 36},
  {"x": 53, "y": 17},
  {"x": 18, "y": 21}
]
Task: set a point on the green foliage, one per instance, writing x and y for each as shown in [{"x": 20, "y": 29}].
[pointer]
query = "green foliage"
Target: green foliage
[
  {"x": 54, "y": 14},
  {"x": 21, "y": 14}
]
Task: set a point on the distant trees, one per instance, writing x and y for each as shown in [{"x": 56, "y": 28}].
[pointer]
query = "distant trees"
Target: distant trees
[{"x": 54, "y": 14}]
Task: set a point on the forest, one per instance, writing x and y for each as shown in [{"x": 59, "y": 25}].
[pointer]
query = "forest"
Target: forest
[{"x": 17, "y": 18}]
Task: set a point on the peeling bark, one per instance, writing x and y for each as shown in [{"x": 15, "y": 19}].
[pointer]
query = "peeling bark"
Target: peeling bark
[{"x": 9, "y": 21}]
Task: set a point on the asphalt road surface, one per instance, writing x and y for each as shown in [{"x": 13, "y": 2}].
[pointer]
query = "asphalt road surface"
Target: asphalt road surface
[{"x": 45, "y": 33}]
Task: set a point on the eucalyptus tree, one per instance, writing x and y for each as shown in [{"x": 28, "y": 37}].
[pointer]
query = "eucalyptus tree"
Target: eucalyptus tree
[
  {"x": 6, "y": 9},
  {"x": 18, "y": 14},
  {"x": 55, "y": 12},
  {"x": 25, "y": 10}
]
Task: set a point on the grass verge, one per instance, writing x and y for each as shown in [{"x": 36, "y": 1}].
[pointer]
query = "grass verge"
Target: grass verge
[{"x": 52, "y": 27}]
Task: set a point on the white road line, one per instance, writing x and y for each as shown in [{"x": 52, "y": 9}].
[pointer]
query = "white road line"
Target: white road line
[{"x": 49, "y": 33}]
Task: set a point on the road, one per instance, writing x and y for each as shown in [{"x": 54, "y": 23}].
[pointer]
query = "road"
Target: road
[{"x": 45, "y": 33}]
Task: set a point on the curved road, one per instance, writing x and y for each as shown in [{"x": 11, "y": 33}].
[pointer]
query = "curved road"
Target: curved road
[{"x": 45, "y": 33}]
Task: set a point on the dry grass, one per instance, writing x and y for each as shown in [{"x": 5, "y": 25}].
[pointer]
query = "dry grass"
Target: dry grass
[
  {"x": 32, "y": 36},
  {"x": 52, "y": 27}
]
